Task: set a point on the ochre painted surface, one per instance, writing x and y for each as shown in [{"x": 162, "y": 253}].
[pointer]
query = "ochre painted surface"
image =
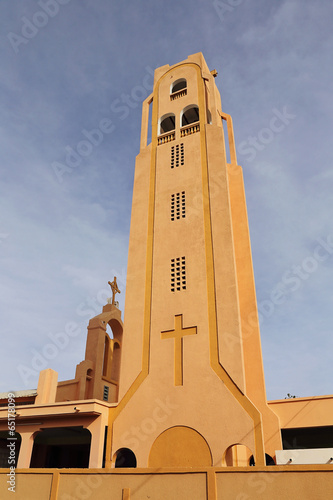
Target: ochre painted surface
[
  {"x": 207, "y": 392},
  {"x": 242, "y": 483},
  {"x": 276, "y": 484},
  {"x": 303, "y": 412},
  {"x": 137, "y": 486},
  {"x": 47, "y": 387},
  {"x": 237, "y": 455},
  {"x": 28, "y": 486},
  {"x": 180, "y": 447},
  {"x": 177, "y": 336}
]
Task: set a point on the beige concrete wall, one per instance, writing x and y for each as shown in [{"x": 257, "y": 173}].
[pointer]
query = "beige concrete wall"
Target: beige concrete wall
[
  {"x": 28, "y": 486},
  {"x": 245, "y": 483},
  {"x": 67, "y": 390},
  {"x": 275, "y": 484},
  {"x": 47, "y": 387},
  {"x": 304, "y": 412}
]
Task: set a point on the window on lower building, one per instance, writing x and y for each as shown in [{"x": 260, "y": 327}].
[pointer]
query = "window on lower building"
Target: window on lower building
[
  {"x": 307, "y": 437},
  {"x": 105, "y": 393}
]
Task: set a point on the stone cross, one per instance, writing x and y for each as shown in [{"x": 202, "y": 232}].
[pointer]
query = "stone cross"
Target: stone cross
[{"x": 114, "y": 288}]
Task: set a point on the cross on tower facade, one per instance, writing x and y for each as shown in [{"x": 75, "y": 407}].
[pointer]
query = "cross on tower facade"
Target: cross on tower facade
[{"x": 178, "y": 334}]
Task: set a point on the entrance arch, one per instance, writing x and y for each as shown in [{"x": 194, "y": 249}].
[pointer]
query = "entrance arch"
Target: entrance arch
[
  {"x": 237, "y": 455},
  {"x": 180, "y": 447},
  {"x": 125, "y": 458}
]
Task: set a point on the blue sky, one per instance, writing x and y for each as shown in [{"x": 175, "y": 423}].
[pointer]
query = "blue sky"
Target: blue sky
[{"x": 66, "y": 67}]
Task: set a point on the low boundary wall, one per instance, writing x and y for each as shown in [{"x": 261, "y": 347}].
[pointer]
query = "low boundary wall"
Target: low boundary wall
[{"x": 215, "y": 483}]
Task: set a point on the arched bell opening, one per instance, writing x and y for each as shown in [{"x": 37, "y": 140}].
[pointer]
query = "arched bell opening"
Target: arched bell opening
[
  {"x": 167, "y": 123},
  {"x": 116, "y": 358},
  {"x": 178, "y": 85},
  {"x": 189, "y": 115},
  {"x": 112, "y": 351}
]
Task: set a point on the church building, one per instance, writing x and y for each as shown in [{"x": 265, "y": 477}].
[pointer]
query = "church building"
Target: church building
[{"x": 170, "y": 402}]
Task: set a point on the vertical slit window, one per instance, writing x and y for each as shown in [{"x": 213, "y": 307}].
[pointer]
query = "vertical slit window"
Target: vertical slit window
[
  {"x": 105, "y": 393},
  {"x": 182, "y": 154},
  {"x": 177, "y": 155},
  {"x": 172, "y": 207},
  {"x": 177, "y": 206}
]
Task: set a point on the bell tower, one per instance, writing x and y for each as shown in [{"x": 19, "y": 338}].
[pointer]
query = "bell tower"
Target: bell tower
[{"x": 191, "y": 385}]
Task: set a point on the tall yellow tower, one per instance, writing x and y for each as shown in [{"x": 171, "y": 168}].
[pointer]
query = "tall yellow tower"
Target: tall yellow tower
[{"x": 191, "y": 389}]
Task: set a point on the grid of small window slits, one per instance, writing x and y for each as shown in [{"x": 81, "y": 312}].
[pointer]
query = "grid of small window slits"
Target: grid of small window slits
[
  {"x": 178, "y": 205},
  {"x": 177, "y": 155},
  {"x": 178, "y": 274},
  {"x": 106, "y": 393}
]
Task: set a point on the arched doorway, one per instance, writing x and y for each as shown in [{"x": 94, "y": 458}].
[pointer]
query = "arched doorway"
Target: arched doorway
[
  {"x": 180, "y": 447},
  {"x": 237, "y": 455},
  {"x": 61, "y": 447},
  {"x": 125, "y": 458}
]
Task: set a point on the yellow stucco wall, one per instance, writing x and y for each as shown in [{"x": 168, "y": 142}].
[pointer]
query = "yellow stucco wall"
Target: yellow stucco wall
[
  {"x": 304, "y": 412},
  {"x": 244, "y": 483},
  {"x": 208, "y": 394}
]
